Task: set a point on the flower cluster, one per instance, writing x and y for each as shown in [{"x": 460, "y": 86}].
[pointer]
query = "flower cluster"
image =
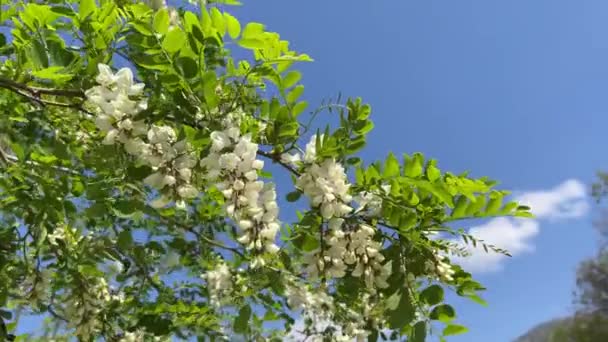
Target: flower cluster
[
  {"x": 36, "y": 285},
  {"x": 444, "y": 269},
  {"x": 440, "y": 267},
  {"x": 219, "y": 282},
  {"x": 355, "y": 248},
  {"x": 84, "y": 307},
  {"x": 319, "y": 306},
  {"x": 325, "y": 185},
  {"x": 114, "y": 98},
  {"x": 172, "y": 163},
  {"x": 119, "y": 100},
  {"x": 140, "y": 336},
  {"x": 370, "y": 202},
  {"x": 301, "y": 298},
  {"x": 249, "y": 202}
]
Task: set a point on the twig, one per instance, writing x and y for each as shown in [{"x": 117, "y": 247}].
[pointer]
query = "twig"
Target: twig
[
  {"x": 277, "y": 160},
  {"x": 53, "y": 313},
  {"x": 207, "y": 239},
  {"x": 34, "y": 94},
  {"x": 13, "y": 159}
]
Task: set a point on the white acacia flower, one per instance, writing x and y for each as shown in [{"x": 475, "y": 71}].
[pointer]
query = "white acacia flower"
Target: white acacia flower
[
  {"x": 219, "y": 141},
  {"x": 311, "y": 149},
  {"x": 290, "y": 159},
  {"x": 249, "y": 202},
  {"x": 187, "y": 191},
  {"x": 161, "y": 135},
  {"x": 159, "y": 180},
  {"x": 219, "y": 282}
]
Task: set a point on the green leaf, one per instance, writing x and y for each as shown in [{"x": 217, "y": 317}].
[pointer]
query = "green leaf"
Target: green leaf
[
  {"x": 432, "y": 295},
  {"x": 454, "y": 329},
  {"x": 293, "y": 196},
  {"x": 475, "y": 207},
  {"x": 444, "y": 313},
  {"x": 432, "y": 173},
  {"x": 51, "y": 73},
  {"x": 295, "y": 94},
  {"x": 77, "y": 188},
  {"x": 86, "y": 8},
  {"x": 125, "y": 240},
  {"x": 299, "y": 108},
  {"x": 241, "y": 322},
  {"x": 218, "y": 21},
  {"x": 291, "y": 79},
  {"x": 6, "y": 314},
  {"x": 161, "y": 21},
  {"x": 37, "y": 54},
  {"x": 460, "y": 207},
  {"x": 494, "y": 204},
  {"x": 418, "y": 332},
  {"x": 477, "y": 299},
  {"x": 413, "y": 165},
  {"x": 45, "y": 159},
  {"x": 253, "y": 30},
  {"x": 310, "y": 243},
  {"x": 190, "y": 21},
  {"x": 18, "y": 150},
  {"x": 404, "y": 313},
  {"x": 188, "y": 66},
  {"x": 142, "y": 28},
  {"x": 391, "y": 167},
  {"x": 251, "y": 43},
  {"x": 174, "y": 40},
  {"x": 232, "y": 25},
  {"x": 508, "y": 208},
  {"x": 364, "y": 127}
]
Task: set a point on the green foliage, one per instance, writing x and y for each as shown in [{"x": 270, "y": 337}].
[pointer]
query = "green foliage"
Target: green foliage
[{"x": 79, "y": 220}]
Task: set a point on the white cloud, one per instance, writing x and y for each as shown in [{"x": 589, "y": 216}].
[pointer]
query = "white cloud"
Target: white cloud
[
  {"x": 513, "y": 235},
  {"x": 567, "y": 200}
]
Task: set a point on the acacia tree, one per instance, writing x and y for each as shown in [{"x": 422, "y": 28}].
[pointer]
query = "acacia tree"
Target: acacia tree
[{"x": 137, "y": 158}]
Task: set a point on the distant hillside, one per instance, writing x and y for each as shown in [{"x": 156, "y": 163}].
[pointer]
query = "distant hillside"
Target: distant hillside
[{"x": 544, "y": 331}]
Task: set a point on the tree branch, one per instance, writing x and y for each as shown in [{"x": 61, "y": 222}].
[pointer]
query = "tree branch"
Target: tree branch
[
  {"x": 276, "y": 159},
  {"x": 34, "y": 94}
]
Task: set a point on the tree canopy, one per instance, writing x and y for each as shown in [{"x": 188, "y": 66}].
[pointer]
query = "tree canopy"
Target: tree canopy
[{"x": 139, "y": 160}]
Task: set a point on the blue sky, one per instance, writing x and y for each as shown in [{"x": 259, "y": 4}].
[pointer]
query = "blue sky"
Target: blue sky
[{"x": 514, "y": 90}]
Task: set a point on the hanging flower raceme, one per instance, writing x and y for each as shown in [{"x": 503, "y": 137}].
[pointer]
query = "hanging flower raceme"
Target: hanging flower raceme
[
  {"x": 318, "y": 306},
  {"x": 444, "y": 270},
  {"x": 141, "y": 336},
  {"x": 250, "y": 202},
  {"x": 172, "y": 162},
  {"x": 36, "y": 286},
  {"x": 350, "y": 248},
  {"x": 84, "y": 307},
  {"x": 327, "y": 188},
  {"x": 325, "y": 184},
  {"x": 219, "y": 282},
  {"x": 299, "y": 297},
  {"x": 370, "y": 202},
  {"x": 118, "y": 100},
  {"x": 364, "y": 253}
]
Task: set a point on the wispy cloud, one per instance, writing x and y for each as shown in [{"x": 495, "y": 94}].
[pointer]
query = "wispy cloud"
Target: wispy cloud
[
  {"x": 514, "y": 235},
  {"x": 567, "y": 200}
]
